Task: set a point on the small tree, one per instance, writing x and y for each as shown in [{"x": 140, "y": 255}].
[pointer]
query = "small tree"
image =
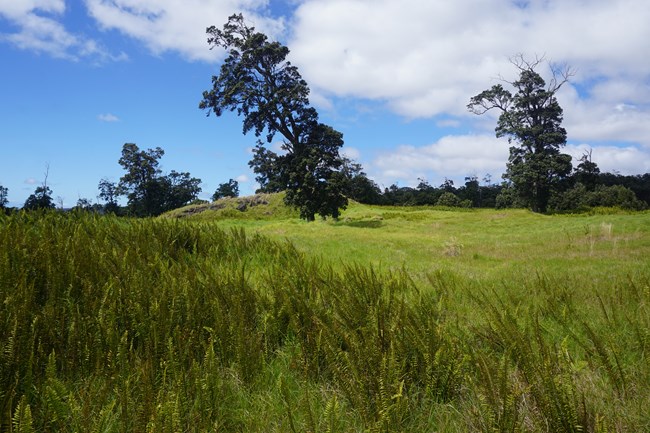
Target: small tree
[
  {"x": 532, "y": 119},
  {"x": 108, "y": 192},
  {"x": 4, "y": 194},
  {"x": 147, "y": 190},
  {"x": 228, "y": 189},
  {"x": 84, "y": 204},
  {"x": 587, "y": 172},
  {"x": 181, "y": 189},
  {"x": 141, "y": 183},
  {"x": 40, "y": 199}
]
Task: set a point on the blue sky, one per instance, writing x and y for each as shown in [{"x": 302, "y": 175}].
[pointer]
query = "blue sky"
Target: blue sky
[{"x": 82, "y": 77}]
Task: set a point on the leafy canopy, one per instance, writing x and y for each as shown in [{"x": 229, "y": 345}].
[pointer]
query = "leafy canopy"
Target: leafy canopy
[
  {"x": 227, "y": 189},
  {"x": 147, "y": 190},
  {"x": 257, "y": 82},
  {"x": 531, "y": 118},
  {"x": 40, "y": 199}
]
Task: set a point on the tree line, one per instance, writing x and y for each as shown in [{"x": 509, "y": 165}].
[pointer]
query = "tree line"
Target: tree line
[
  {"x": 259, "y": 84},
  {"x": 147, "y": 190}
]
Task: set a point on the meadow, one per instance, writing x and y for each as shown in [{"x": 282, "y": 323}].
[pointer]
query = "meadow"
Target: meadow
[{"x": 388, "y": 320}]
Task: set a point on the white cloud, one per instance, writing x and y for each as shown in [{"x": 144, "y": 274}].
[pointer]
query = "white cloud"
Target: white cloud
[
  {"x": 608, "y": 116},
  {"x": 625, "y": 160},
  {"x": 351, "y": 152},
  {"x": 108, "y": 117},
  {"x": 40, "y": 30},
  {"x": 242, "y": 178},
  {"x": 177, "y": 26},
  {"x": 425, "y": 58},
  {"x": 31, "y": 181},
  {"x": 454, "y": 156}
]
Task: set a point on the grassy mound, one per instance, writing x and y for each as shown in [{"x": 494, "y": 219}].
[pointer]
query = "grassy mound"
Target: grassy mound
[{"x": 256, "y": 207}]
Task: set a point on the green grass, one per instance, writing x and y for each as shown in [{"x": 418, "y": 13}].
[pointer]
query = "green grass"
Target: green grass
[
  {"x": 477, "y": 244},
  {"x": 389, "y": 320}
]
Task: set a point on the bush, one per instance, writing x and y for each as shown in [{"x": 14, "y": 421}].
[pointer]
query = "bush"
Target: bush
[
  {"x": 615, "y": 195},
  {"x": 449, "y": 199},
  {"x": 579, "y": 199}
]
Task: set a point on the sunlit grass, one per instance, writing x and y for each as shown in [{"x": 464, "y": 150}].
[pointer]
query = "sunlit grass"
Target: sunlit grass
[{"x": 390, "y": 319}]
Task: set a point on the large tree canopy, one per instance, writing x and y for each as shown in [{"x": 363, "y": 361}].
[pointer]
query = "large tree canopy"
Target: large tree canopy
[
  {"x": 532, "y": 119},
  {"x": 257, "y": 82}
]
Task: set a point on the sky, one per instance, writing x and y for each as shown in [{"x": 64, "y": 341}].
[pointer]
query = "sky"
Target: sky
[{"x": 79, "y": 78}]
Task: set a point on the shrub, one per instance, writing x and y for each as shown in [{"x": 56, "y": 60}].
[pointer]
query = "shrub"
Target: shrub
[{"x": 449, "y": 199}]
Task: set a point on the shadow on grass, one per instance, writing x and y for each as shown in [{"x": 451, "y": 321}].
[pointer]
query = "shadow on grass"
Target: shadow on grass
[{"x": 372, "y": 224}]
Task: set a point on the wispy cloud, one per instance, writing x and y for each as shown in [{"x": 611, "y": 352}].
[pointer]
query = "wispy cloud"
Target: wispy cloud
[
  {"x": 178, "y": 26},
  {"x": 108, "y": 117},
  {"x": 39, "y": 29}
]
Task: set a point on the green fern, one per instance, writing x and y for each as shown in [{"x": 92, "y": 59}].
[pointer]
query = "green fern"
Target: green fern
[{"x": 22, "y": 420}]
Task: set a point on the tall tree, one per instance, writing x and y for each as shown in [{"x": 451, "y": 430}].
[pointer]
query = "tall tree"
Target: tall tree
[
  {"x": 532, "y": 119},
  {"x": 257, "y": 82}
]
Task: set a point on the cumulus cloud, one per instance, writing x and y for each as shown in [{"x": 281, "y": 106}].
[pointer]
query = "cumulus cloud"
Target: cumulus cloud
[
  {"x": 108, "y": 117},
  {"x": 242, "y": 178},
  {"x": 172, "y": 25},
  {"x": 453, "y": 156},
  {"x": 620, "y": 115},
  {"x": 625, "y": 160},
  {"x": 424, "y": 59},
  {"x": 40, "y": 30}
]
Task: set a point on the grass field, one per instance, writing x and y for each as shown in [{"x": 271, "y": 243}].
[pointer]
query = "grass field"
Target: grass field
[{"x": 388, "y": 320}]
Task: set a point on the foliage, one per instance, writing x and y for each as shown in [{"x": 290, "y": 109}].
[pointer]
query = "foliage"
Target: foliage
[
  {"x": 180, "y": 189},
  {"x": 508, "y": 198},
  {"x": 228, "y": 189},
  {"x": 141, "y": 183},
  {"x": 358, "y": 186},
  {"x": 579, "y": 198},
  {"x": 40, "y": 199},
  {"x": 531, "y": 118},
  {"x": 451, "y": 200},
  {"x": 639, "y": 183},
  {"x": 108, "y": 191},
  {"x": 587, "y": 172},
  {"x": 4, "y": 193},
  {"x": 163, "y": 325},
  {"x": 147, "y": 190},
  {"x": 256, "y": 81}
]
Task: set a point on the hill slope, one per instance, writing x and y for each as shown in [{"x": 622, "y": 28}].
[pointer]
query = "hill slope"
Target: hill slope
[{"x": 258, "y": 206}]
